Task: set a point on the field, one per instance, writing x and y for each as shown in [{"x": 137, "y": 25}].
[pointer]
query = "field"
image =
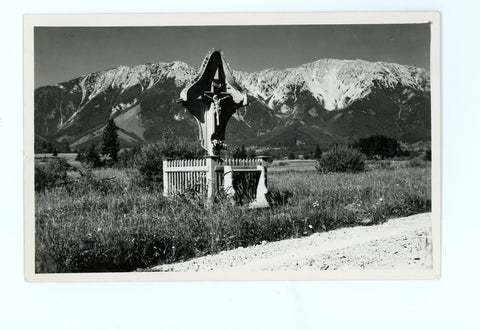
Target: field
[
  {"x": 292, "y": 165},
  {"x": 116, "y": 224},
  {"x": 70, "y": 158}
]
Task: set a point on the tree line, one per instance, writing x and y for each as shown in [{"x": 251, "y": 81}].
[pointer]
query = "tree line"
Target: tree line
[{"x": 375, "y": 146}]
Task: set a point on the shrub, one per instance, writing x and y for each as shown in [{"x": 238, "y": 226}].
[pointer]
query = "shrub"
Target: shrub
[
  {"x": 51, "y": 174},
  {"x": 149, "y": 160},
  {"x": 341, "y": 159},
  {"x": 243, "y": 153},
  {"x": 379, "y": 145},
  {"x": 240, "y": 152},
  {"x": 251, "y": 153},
  {"x": 126, "y": 157},
  {"x": 92, "y": 158},
  {"x": 149, "y": 163}
]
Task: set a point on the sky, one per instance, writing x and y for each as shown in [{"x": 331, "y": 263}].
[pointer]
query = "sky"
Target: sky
[{"x": 65, "y": 53}]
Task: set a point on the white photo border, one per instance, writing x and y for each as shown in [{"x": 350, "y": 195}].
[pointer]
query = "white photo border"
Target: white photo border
[{"x": 310, "y": 18}]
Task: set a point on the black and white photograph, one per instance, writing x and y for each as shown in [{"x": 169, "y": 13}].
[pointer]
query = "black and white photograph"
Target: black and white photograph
[{"x": 241, "y": 147}]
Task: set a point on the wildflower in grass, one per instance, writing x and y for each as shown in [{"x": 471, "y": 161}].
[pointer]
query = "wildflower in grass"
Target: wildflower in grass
[{"x": 316, "y": 204}]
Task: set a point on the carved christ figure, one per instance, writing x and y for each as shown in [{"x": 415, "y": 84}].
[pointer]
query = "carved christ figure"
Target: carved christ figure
[
  {"x": 206, "y": 98},
  {"x": 216, "y": 105}
]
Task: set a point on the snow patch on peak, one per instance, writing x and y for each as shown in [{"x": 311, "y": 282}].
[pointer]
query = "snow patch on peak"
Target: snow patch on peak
[{"x": 334, "y": 83}]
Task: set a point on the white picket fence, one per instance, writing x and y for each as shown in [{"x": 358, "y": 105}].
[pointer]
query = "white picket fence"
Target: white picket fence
[
  {"x": 181, "y": 175},
  {"x": 209, "y": 176}
]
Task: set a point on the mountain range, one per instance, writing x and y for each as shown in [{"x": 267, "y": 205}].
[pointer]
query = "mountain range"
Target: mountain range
[{"x": 321, "y": 102}]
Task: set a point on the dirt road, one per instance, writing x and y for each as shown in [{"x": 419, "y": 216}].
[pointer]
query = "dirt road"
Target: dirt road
[{"x": 398, "y": 243}]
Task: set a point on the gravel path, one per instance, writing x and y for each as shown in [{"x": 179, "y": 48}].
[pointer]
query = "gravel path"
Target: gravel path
[{"x": 399, "y": 243}]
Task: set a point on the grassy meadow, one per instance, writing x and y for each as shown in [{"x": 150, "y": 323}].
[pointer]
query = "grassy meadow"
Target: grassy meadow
[{"x": 108, "y": 221}]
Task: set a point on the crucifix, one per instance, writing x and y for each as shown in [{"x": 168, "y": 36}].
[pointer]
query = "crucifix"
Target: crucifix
[
  {"x": 212, "y": 98},
  {"x": 217, "y": 108}
]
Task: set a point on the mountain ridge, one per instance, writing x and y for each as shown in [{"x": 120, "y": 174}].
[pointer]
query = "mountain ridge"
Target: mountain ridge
[{"x": 143, "y": 98}]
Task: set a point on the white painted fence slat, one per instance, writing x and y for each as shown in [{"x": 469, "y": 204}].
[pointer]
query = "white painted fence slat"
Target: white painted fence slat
[{"x": 200, "y": 175}]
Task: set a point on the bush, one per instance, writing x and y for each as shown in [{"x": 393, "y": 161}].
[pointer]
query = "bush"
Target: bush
[
  {"x": 341, "y": 159},
  {"x": 149, "y": 163},
  {"x": 51, "y": 174},
  {"x": 379, "y": 145},
  {"x": 126, "y": 157},
  {"x": 149, "y": 160},
  {"x": 243, "y": 153},
  {"x": 251, "y": 153},
  {"x": 240, "y": 152},
  {"x": 91, "y": 158}
]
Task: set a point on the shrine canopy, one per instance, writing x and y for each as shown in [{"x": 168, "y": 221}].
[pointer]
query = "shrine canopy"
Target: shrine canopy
[
  {"x": 214, "y": 76},
  {"x": 212, "y": 98}
]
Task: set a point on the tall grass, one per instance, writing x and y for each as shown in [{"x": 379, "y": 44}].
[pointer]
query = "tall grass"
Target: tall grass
[{"x": 116, "y": 225}]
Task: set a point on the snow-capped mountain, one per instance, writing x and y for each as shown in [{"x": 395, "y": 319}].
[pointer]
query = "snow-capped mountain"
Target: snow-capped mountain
[
  {"x": 336, "y": 84},
  {"x": 321, "y": 102}
]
